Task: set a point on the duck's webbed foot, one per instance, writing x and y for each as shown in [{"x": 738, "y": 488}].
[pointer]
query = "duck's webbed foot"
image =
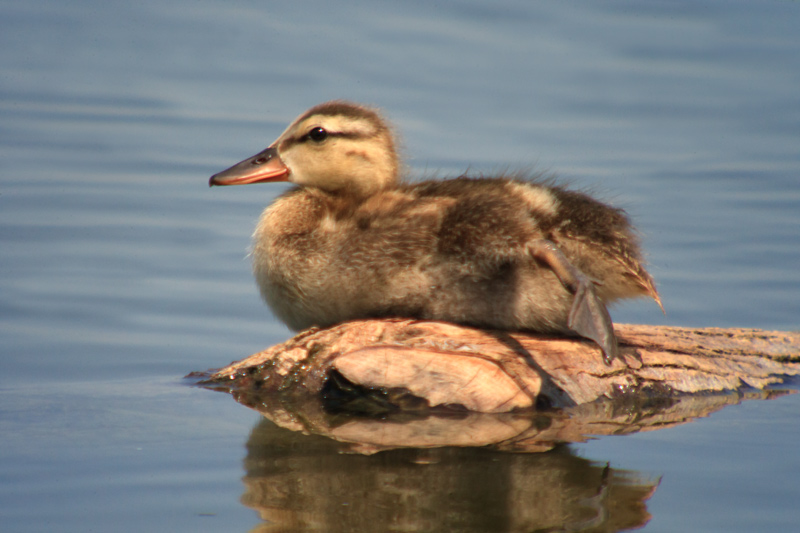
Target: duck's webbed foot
[{"x": 588, "y": 316}]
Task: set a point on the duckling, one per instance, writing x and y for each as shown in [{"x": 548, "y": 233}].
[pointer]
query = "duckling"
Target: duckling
[{"x": 353, "y": 240}]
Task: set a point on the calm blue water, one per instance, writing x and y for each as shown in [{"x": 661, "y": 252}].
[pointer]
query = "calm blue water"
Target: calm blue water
[{"x": 120, "y": 271}]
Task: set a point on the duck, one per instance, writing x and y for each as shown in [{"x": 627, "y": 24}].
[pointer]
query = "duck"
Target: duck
[{"x": 355, "y": 238}]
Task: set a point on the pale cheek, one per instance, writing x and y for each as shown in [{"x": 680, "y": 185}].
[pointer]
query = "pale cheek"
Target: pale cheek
[
  {"x": 324, "y": 173},
  {"x": 299, "y": 177},
  {"x": 298, "y": 168}
]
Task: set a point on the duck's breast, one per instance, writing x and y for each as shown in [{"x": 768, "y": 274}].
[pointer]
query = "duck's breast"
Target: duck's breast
[{"x": 320, "y": 259}]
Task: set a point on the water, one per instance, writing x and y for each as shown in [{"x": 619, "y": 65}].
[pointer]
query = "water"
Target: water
[{"x": 121, "y": 271}]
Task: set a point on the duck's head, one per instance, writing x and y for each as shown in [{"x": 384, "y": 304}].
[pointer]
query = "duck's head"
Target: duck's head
[{"x": 335, "y": 146}]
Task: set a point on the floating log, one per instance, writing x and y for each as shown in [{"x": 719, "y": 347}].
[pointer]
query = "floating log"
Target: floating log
[
  {"x": 485, "y": 371},
  {"x": 432, "y": 384}
]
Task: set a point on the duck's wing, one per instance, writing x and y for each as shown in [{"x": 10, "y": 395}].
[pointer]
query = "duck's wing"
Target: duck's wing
[
  {"x": 606, "y": 233},
  {"x": 634, "y": 268}
]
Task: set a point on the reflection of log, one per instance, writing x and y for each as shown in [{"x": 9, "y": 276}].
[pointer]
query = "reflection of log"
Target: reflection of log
[
  {"x": 529, "y": 432},
  {"x": 492, "y": 372},
  {"x": 298, "y": 483}
]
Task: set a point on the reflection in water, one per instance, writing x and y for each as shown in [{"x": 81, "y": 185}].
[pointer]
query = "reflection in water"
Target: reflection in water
[
  {"x": 523, "y": 431},
  {"x": 308, "y": 483},
  {"x": 310, "y": 468}
]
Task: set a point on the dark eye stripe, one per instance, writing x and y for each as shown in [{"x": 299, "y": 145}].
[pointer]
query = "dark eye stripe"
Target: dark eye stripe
[{"x": 308, "y": 136}]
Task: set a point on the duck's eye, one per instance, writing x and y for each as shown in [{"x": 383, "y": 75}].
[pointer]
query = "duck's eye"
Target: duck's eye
[{"x": 318, "y": 134}]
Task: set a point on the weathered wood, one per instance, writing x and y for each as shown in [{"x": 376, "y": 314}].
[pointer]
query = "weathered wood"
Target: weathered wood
[{"x": 495, "y": 372}]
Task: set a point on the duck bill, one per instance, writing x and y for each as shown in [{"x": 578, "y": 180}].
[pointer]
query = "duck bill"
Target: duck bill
[{"x": 264, "y": 166}]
